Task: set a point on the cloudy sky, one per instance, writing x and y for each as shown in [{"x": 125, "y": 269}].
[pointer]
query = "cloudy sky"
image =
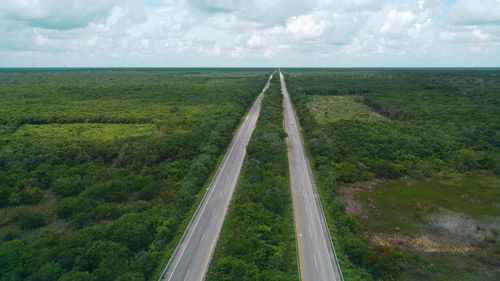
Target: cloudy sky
[{"x": 331, "y": 33}]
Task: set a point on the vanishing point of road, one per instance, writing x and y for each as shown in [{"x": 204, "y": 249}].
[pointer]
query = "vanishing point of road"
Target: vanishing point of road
[
  {"x": 317, "y": 259},
  {"x": 191, "y": 258}
]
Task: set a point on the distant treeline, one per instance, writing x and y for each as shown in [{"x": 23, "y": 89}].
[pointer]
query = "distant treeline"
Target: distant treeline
[
  {"x": 334, "y": 91},
  {"x": 384, "y": 110}
]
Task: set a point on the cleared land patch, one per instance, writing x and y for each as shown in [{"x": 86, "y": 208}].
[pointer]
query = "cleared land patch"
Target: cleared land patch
[
  {"x": 86, "y": 131},
  {"x": 327, "y": 109},
  {"x": 450, "y": 223},
  {"x": 412, "y": 203}
]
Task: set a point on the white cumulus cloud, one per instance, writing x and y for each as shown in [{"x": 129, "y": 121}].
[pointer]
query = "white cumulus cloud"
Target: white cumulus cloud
[{"x": 248, "y": 32}]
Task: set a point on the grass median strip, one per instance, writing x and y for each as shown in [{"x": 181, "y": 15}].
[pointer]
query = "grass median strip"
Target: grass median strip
[{"x": 257, "y": 241}]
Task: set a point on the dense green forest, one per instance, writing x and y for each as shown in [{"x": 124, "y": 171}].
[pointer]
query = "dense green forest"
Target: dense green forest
[
  {"x": 100, "y": 170},
  {"x": 385, "y": 124},
  {"x": 258, "y": 240},
  {"x": 442, "y": 122}
]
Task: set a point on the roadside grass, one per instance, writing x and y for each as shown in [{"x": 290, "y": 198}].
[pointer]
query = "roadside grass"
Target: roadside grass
[
  {"x": 404, "y": 203},
  {"x": 84, "y": 131},
  {"x": 328, "y": 109}
]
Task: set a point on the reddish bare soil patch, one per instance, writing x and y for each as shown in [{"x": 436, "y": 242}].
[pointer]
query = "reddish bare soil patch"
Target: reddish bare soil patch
[
  {"x": 349, "y": 191},
  {"x": 444, "y": 231},
  {"x": 421, "y": 243}
]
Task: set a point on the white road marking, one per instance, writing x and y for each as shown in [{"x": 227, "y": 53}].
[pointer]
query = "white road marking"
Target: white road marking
[
  {"x": 187, "y": 274},
  {"x": 202, "y": 237},
  {"x": 304, "y": 183}
]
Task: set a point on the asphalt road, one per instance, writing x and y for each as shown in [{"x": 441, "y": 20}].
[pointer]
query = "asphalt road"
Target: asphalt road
[
  {"x": 192, "y": 256},
  {"x": 316, "y": 254}
]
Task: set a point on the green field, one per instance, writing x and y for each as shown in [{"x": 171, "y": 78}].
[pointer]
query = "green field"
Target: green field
[
  {"x": 436, "y": 150},
  {"x": 84, "y": 131},
  {"x": 100, "y": 170},
  {"x": 408, "y": 202},
  {"x": 452, "y": 224},
  {"x": 327, "y": 109}
]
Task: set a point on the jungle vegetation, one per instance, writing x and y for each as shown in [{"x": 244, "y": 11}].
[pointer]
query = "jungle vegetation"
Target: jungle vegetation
[
  {"x": 419, "y": 130},
  {"x": 100, "y": 169}
]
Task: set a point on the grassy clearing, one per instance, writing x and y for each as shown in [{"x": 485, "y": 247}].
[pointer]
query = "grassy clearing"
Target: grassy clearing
[
  {"x": 327, "y": 109},
  {"x": 406, "y": 203},
  {"x": 451, "y": 267},
  {"x": 85, "y": 131},
  {"x": 459, "y": 217}
]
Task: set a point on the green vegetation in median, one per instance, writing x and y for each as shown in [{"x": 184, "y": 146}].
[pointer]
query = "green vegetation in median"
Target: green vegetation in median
[
  {"x": 257, "y": 240},
  {"x": 97, "y": 192}
]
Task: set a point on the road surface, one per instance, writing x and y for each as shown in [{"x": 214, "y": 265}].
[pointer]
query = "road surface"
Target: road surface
[
  {"x": 316, "y": 254},
  {"x": 191, "y": 258}
]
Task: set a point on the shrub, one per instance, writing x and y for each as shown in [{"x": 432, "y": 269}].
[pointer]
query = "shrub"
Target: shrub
[
  {"x": 49, "y": 272},
  {"x": 357, "y": 250},
  {"x": 131, "y": 276},
  {"x": 77, "y": 276},
  {"x": 31, "y": 195},
  {"x": 347, "y": 172},
  {"x": 67, "y": 207},
  {"x": 4, "y": 196},
  {"x": 67, "y": 186},
  {"x": 132, "y": 231},
  {"x": 28, "y": 220},
  {"x": 109, "y": 191}
]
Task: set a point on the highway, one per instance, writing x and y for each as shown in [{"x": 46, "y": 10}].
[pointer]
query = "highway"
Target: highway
[
  {"x": 191, "y": 258},
  {"x": 317, "y": 261}
]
